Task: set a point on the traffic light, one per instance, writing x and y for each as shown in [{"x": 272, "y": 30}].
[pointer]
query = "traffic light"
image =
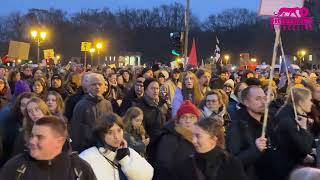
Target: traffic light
[{"x": 177, "y": 42}]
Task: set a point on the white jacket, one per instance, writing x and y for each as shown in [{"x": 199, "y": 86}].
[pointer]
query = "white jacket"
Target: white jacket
[{"x": 134, "y": 166}]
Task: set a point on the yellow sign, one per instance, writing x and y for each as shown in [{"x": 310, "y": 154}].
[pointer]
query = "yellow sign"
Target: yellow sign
[
  {"x": 48, "y": 53},
  {"x": 19, "y": 50},
  {"x": 85, "y": 46}
]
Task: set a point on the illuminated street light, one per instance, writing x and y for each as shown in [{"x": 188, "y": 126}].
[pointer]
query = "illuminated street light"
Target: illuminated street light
[
  {"x": 38, "y": 39},
  {"x": 253, "y": 60},
  {"x": 99, "y": 46},
  {"x": 227, "y": 57},
  {"x": 301, "y": 53},
  {"x": 92, "y": 50}
]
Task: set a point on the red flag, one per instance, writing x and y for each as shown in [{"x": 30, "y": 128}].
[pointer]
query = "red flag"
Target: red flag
[{"x": 193, "y": 55}]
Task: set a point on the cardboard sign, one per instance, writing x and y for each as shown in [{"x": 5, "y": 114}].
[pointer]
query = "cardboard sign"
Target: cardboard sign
[
  {"x": 19, "y": 50},
  {"x": 48, "y": 53},
  {"x": 85, "y": 46},
  {"x": 272, "y": 7}
]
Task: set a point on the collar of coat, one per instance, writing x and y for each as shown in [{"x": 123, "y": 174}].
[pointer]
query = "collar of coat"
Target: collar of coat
[
  {"x": 207, "y": 112},
  {"x": 185, "y": 133},
  {"x": 150, "y": 101},
  {"x": 111, "y": 155}
]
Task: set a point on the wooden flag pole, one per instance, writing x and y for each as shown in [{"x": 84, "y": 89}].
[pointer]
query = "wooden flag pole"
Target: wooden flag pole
[
  {"x": 289, "y": 81},
  {"x": 274, "y": 56}
]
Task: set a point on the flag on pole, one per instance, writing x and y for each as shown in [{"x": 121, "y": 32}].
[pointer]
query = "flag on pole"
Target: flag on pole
[
  {"x": 217, "y": 53},
  {"x": 285, "y": 61},
  {"x": 192, "y": 60}
]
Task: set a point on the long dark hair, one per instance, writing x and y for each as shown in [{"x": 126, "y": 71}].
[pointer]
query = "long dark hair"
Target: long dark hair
[
  {"x": 214, "y": 127},
  {"x": 16, "y": 107}
]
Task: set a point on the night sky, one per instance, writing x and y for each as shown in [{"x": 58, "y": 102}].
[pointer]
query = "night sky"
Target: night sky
[{"x": 202, "y": 8}]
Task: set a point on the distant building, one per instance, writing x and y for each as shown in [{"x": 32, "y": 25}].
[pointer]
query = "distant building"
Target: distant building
[{"x": 124, "y": 59}]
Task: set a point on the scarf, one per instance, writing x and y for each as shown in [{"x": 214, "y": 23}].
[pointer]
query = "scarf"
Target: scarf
[
  {"x": 150, "y": 101},
  {"x": 185, "y": 133}
]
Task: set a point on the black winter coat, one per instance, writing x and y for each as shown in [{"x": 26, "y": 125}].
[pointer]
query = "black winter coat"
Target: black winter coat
[
  {"x": 71, "y": 102},
  {"x": 61, "y": 90},
  {"x": 62, "y": 167},
  {"x": 86, "y": 114},
  {"x": 153, "y": 118},
  {"x": 173, "y": 150},
  {"x": 216, "y": 164},
  {"x": 128, "y": 101},
  {"x": 293, "y": 142},
  {"x": 241, "y": 137},
  {"x": 9, "y": 131}
]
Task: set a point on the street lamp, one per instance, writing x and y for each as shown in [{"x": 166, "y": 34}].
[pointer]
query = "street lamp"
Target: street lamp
[
  {"x": 92, "y": 50},
  {"x": 227, "y": 57},
  {"x": 38, "y": 39},
  {"x": 253, "y": 60},
  {"x": 99, "y": 46},
  {"x": 301, "y": 53}
]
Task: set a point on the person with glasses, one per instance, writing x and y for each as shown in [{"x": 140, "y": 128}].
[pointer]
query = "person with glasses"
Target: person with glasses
[
  {"x": 136, "y": 92},
  {"x": 213, "y": 105}
]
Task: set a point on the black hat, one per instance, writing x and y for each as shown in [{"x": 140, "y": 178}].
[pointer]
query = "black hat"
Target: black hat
[
  {"x": 148, "y": 81},
  {"x": 56, "y": 76},
  {"x": 145, "y": 70},
  {"x": 176, "y": 70}
]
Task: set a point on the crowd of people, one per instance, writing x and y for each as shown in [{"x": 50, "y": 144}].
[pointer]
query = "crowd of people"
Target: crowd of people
[{"x": 161, "y": 123}]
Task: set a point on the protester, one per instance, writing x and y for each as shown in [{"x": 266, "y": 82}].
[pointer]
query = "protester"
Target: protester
[
  {"x": 27, "y": 74},
  {"x": 45, "y": 158},
  {"x": 151, "y": 105},
  {"x": 204, "y": 77},
  {"x": 55, "y": 104},
  {"x": 135, "y": 133},
  {"x": 190, "y": 91},
  {"x": 175, "y": 144},
  {"x": 21, "y": 87},
  {"x": 211, "y": 161},
  {"x": 88, "y": 112},
  {"x": 218, "y": 82},
  {"x": 11, "y": 123},
  {"x": 244, "y": 136},
  {"x": 228, "y": 87},
  {"x": 213, "y": 105},
  {"x": 294, "y": 141},
  {"x": 35, "y": 109},
  {"x": 111, "y": 157},
  {"x": 172, "y": 84},
  {"x": 39, "y": 87},
  {"x": 234, "y": 100},
  {"x": 72, "y": 100},
  {"x": 5, "y": 92},
  {"x": 127, "y": 79},
  {"x": 14, "y": 76},
  {"x": 133, "y": 97},
  {"x": 56, "y": 85}
]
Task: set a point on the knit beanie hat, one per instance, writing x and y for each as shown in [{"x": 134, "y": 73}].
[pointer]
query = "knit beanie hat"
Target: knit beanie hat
[
  {"x": 21, "y": 87},
  {"x": 148, "y": 81},
  {"x": 188, "y": 107},
  {"x": 145, "y": 70}
]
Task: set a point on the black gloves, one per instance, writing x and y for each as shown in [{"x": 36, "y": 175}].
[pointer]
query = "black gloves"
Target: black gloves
[{"x": 121, "y": 153}]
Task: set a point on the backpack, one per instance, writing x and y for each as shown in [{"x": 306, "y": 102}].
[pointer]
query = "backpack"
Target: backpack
[{"x": 23, "y": 166}]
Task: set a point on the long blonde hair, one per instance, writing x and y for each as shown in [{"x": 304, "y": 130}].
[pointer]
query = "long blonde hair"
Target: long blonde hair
[
  {"x": 196, "y": 89},
  {"x": 27, "y": 122},
  {"x": 132, "y": 113}
]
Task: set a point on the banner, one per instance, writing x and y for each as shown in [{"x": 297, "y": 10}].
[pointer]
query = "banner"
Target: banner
[
  {"x": 19, "y": 50},
  {"x": 272, "y": 7},
  {"x": 48, "y": 53},
  {"x": 85, "y": 46}
]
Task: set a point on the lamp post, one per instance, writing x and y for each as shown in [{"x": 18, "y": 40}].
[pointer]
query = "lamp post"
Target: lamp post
[
  {"x": 92, "y": 50},
  {"x": 301, "y": 54},
  {"x": 226, "y": 57},
  {"x": 99, "y": 46},
  {"x": 38, "y": 37}
]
